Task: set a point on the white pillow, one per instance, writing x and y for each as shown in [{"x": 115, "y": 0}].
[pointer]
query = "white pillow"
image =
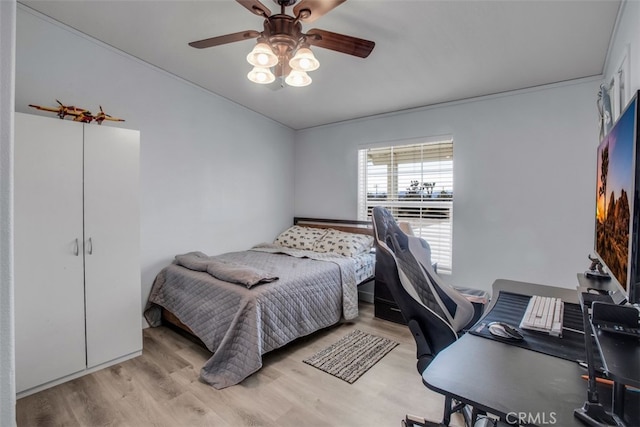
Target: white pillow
[
  {"x": 347, "y": 244},
  {"x": 298, "y": 237}
]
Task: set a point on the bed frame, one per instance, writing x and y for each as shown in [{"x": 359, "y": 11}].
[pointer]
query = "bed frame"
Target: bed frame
[{"x": 357, "y": 227}]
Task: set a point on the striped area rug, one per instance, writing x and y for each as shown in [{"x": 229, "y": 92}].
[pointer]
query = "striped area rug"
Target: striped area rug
[{"x": 352, "y": 355}]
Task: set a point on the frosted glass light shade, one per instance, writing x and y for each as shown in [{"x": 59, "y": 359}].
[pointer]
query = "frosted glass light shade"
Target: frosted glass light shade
[
  {"x": 304, "y": 60},
  {"x": 261, "y": 75},
  {"x": 298, "y": 79},
  {"x": 262, "y": 56}
]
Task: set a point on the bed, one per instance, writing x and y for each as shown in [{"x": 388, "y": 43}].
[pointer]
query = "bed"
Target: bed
[{"x": 241, "y": 305}]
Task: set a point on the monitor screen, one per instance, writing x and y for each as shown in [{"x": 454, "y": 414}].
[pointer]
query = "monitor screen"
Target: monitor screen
[{"x": 616, "y": 233}]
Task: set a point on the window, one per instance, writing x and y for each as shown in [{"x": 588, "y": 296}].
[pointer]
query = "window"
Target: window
[{"x": 415, "y": 182}]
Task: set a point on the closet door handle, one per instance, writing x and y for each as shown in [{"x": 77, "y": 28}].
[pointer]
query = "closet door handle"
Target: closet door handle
[
  {"x": 90, "y": 246},
  {"x": 77, "y": 249}
]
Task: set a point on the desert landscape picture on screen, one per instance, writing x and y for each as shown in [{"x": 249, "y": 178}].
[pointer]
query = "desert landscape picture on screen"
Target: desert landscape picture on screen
[{"x": 614, "y": 185}]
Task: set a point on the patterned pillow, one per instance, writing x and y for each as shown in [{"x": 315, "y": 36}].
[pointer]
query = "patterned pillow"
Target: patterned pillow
[
  {"x": 298, "y": 237},
  {"x": 347, "y": 244}
]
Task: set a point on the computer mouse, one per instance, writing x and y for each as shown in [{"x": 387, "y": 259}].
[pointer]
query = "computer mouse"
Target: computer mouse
[{"x": 503, "y": 330}]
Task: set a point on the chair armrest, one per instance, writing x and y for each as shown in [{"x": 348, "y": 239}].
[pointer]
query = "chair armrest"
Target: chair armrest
[
  {"x": 474, "y": 295},
  {"x": 479, "y": 299}
]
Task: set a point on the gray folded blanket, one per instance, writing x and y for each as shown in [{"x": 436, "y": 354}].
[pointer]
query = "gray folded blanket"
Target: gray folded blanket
[
  {"x": 196, "y": 261},
  {"x": 225, "y": 270}
]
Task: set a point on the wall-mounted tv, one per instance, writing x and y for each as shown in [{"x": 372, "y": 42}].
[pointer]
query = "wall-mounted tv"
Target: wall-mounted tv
[{"x": 617, "y": 233}]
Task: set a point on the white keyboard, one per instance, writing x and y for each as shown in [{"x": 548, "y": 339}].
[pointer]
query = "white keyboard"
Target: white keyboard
[{"x": 544, "y": 314}]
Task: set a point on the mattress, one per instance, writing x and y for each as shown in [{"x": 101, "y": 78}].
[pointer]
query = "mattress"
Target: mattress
[{"x": 238, "y": 324}]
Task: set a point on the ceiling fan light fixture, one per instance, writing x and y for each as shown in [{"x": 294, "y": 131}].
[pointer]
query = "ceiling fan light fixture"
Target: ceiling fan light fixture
[
  {"x": 298, "y": 78},
  {"x": 261, "y": 75},
  {"x": 304, "y": 60},
  {"x": 282, "y": 48},
  {"x": 262, "y": 56}
]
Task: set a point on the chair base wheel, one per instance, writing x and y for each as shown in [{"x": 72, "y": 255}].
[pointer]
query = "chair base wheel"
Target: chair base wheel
[{"x": 416, "y": 421}]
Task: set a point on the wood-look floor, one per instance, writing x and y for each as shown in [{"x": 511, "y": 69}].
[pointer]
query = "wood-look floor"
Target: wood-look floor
[{"x": 161, "y": 388}]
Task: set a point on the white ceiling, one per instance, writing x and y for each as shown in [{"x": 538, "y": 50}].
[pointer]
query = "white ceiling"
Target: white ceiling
[{"x": 427, "y": 52}]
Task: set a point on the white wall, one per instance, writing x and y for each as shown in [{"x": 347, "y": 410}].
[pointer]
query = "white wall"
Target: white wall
[
  {"x": 215, "y": 176},
  {"x": 524, "y": 178},
  {"x": 7, "y": 342}
]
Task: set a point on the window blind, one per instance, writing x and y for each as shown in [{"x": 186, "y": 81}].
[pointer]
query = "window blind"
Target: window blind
[{"x": 415, "y": 183}]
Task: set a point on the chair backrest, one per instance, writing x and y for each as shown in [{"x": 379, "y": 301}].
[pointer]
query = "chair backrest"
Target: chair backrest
[{"x": 432, "y": 308}]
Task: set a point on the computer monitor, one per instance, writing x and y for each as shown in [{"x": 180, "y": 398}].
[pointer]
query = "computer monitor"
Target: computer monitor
[{"x": 617, "y": 228}]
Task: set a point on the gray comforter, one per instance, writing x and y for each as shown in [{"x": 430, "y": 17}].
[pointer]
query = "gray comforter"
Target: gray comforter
[{"x": 238, "y": 324}]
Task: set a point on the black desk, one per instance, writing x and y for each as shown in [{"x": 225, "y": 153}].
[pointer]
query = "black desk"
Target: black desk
[
  {"x": 506, "y": 380},
  {"x": 616, "y": 351}
]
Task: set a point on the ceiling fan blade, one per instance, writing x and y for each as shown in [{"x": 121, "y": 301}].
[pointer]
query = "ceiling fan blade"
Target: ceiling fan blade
[
  {"x": 254, "y": 6},
  {"x": 228, "y": 38},
  {"x": 340, "y": 42},
  {"x": 316, "y": 8}
]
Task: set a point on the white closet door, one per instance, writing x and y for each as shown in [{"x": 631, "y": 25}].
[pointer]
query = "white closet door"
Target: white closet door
[
  {"x": 49, "y": 294},
  {"x": 112, "y": 243}
]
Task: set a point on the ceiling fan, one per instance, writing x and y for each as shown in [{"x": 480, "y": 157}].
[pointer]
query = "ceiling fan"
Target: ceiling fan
[{"x": 284, "y": 47}]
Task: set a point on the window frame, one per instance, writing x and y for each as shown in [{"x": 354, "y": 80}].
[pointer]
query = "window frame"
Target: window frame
[{"x": 428, "y": 208}]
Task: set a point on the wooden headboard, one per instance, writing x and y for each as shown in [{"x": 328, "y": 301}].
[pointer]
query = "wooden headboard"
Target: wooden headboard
[{"x": 358, "y": 227}]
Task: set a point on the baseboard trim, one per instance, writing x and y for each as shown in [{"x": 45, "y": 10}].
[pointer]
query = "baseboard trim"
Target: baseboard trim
[{"x": 75, "y": 375}]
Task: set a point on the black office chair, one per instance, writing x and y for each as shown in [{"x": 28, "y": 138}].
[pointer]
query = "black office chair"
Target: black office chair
[{"x": 436, "y": 313}]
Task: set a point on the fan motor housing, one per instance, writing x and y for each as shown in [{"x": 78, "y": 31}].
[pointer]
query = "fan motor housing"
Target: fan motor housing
[
  {"x": 285, "y": 3},
  {"x": 283, "y": 31}
]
